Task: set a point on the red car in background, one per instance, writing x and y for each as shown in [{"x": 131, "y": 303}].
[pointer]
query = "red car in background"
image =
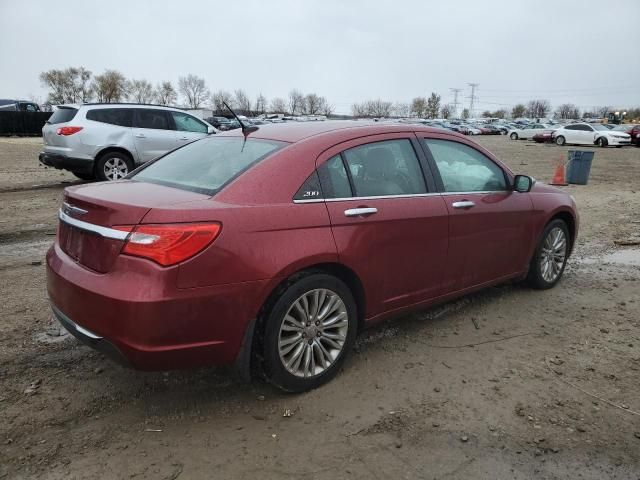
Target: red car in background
[
  {"x": 632, "y": 130},
  {"x": 271, "y": 250},
  {"x": 543, "y": 137}
]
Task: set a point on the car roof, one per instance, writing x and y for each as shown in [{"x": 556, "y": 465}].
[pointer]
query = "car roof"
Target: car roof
[{"x": 293, "y": 132}]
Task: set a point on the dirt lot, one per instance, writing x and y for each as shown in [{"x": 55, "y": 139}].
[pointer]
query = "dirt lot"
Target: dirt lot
[{"x": 427, "y": 396}]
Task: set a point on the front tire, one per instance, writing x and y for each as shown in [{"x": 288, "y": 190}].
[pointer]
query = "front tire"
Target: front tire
[
  {"x": 112, "y": 166},
  {"x": 602, "y": 142},
  {"x": 550, "y": 257},
  {"x": 309, "y": 332},
  {"x": 560, "y": 140},
  {"x": 513, "y": 136}
]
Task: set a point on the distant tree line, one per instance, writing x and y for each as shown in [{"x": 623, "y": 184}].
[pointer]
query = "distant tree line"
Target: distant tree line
[{"x": 79, "y": 85}]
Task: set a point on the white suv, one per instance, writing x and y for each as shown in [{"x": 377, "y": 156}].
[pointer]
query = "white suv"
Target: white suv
[{"x": 107, "y": 141}]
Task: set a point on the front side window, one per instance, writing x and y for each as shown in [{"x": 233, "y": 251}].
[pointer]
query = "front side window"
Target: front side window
[
  {"x": 187, "y": 123},
  {"x": 149, "y": 118},
  {"x": 207, "y": 165},
  {"x": 385, "y": 168},
  {"x": 464, "y": 169},
  {"x": 112, "y": 116}
]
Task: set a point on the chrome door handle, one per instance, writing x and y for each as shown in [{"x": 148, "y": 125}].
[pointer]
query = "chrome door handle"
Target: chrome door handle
[
  {"x": 358, "y": 212},
  {"x": 140, "y": 135},
  {"x": 463, "y": 204}
]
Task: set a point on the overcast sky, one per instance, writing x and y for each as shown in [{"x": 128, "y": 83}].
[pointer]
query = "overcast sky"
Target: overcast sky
[{"x": 580, "y": 51}]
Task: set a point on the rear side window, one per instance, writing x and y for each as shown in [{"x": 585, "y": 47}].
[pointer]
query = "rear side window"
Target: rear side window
[
  {"x": 187, "y": 123},
  {"x": 310, "y": 189},
  {"x": 385, "y": 168},
  {"x": 112, "y": 116},
  {"x": 150, "y": 118},
  {"x": 207, "y": 165},
  {"x": 334, "y": 179},
  {"x": 62, "y": 115},
  {"x": 464, "y": 169}
]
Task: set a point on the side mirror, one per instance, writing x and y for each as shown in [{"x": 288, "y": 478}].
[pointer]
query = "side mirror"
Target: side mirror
[
  {"x": 210, "y": 130},
  {"x": 522, "y": 183}
]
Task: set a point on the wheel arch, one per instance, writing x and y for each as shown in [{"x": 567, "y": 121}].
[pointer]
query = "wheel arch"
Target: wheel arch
[
  {"x": 113, "y": 148},
  {"x": 568, "y": 218}
]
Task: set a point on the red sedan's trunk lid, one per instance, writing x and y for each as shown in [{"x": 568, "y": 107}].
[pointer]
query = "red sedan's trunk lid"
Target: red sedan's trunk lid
[{"x": 109, "y": 205}]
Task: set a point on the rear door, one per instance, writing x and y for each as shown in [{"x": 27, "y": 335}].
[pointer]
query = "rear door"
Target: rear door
[
  {"x": 153, "y": 133},
  {"x": 188, "y": 128},
  {"x": 489, "y": 223},
  {"x": 390, "y": 226}
]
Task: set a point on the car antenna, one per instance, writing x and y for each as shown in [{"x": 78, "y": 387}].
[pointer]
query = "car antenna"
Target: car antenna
[{"x": 246, "y": 129}]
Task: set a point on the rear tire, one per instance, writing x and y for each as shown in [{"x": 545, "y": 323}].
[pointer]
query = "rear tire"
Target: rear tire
[
  {"x": 550, "y": 257},
  {"x": 303, "y": 347},
  {"x": 560, "y": 140},
  {"x": 112, "y": 166},
  {"x": 513, "y": 136},
  {"x": 602, "y": 142}
]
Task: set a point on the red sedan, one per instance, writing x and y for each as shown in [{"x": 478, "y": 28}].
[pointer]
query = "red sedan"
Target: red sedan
[{"x": 272, "y": 251}]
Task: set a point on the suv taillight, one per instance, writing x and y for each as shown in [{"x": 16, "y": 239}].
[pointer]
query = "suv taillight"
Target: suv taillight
[
  {"x": 66, "y": 131},
  {"x": 169, "y": 244}
]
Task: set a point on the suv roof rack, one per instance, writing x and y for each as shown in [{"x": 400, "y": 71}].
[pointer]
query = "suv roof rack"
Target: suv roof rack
[{"x": 133, "y": 103}]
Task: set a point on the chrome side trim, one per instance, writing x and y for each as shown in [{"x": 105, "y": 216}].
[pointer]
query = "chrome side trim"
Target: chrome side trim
[
  {"x": 105, "y": 232},
  {"x": 86, "y": 332},
  {"x": 380, "y": 197}
]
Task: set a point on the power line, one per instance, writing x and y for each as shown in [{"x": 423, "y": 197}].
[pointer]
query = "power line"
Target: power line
[
  {"x": 455, "y": 91},
  {"x": 472, "y": 97}
]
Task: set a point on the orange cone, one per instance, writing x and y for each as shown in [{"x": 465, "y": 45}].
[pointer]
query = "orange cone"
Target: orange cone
[{"x": 558, "y": 176}]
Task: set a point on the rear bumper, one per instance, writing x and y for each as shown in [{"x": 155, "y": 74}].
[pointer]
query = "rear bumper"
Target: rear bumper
[
  {"x": 61, "y": 161},
  {"x": 137, "y": 315}
]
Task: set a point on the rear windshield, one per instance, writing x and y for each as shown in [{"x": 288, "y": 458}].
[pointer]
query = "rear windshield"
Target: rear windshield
[
  {"x": 207, "y": 165},
  {"x": 62, "y": 115}
]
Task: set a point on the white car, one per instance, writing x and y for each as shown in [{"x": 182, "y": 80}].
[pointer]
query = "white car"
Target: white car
[
  {"x": 527, "y": 132},
  {"x": 590, "y": 134}
]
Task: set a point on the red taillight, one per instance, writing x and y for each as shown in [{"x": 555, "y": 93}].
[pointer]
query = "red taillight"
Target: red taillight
[
  {"x": 169, "y": 244},
  {"x": 66, "y": 131}
]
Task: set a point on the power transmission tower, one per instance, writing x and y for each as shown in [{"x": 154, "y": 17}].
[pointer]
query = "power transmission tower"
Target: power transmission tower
[
  {"x": 472, "y": 98},
  {"x": 455, "y": 91}
]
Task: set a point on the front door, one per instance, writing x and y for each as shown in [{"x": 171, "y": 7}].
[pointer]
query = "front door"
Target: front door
[
  {"x": 489, "y": 224},
  {"x": 389, "y": 227},
  {"x": 188, "y": 128}
]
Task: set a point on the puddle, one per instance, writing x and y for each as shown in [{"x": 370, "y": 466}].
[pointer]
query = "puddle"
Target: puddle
[{"x": 627, "y": 257}]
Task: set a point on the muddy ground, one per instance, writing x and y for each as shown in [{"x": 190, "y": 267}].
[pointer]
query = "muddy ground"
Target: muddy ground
[{"x": 546, "y": 386}]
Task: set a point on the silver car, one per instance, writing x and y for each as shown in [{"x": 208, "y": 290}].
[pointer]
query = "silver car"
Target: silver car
[{"x": 107, "y": 141}]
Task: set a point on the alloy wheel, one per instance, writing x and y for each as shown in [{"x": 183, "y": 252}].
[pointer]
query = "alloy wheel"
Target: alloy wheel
[
  {"x": 313, "y": 333},
  {"x": 115, "y": 168},
  {"x": 553, "y": 254}
]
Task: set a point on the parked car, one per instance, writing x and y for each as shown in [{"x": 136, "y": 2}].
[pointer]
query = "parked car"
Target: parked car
[
  {"x": 527, "y": 131},
  {"x": 18, "y": 106},
  {"x": 221, "y": 123},
  {"x": 471, "y": 130},
  {"x": 273, "y": 250},
  {"x": 590, "y": 134},
  {"x": 107, "y": 141},
  {"x": 544, "y": 136}
]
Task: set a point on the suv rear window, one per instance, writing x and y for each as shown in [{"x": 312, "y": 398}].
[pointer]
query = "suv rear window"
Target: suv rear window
[
  {"x": 207, "y": 165},
  {"x": 112, "y": 116},
  {"x": 63, "y": 115}
]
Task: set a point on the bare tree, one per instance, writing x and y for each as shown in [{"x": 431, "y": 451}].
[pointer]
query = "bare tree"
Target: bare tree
[
  {"x": 433, "y": 105},
  {"x": 465, "y": 113},
  {"x": 372, "y": 108},
  {"x": 110, "y": 87},
  {"x": 326, "y": 108},
  {"x": 518, "y": 111},
  {"x": 218, "y": 99},
  {"x": 165, "y": 94},
  {"x": 194, "y": 90},
  {"x": 537, "y": 108},
  {"x": 261, "y": 104},
  {"x": 400, "y": 109},
  {"x": 278, "y": 105},
  {"x": 242, "y": 102},
  {"x": 419, "y": 106},
  {"x": 296, "y": 102},
  {"x": 312, "y": 104},
  {"x": 568, "y": 110},
  {"x": 140, "y": 91},
  {"x": 445, "y": 111},
  {"x": 71, "y": 85}
]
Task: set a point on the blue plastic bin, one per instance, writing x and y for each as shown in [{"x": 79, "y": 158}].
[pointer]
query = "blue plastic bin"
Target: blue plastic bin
[{"x": 579, "y": 166}]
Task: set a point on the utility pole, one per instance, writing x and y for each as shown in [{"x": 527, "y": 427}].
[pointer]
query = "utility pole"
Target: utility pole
[
  {"x": 472, "y": 98},
  {"x": 455, "y": 91}
]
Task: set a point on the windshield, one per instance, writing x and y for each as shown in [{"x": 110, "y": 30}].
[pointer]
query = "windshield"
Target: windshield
[{"x": 207, "y": 165}]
